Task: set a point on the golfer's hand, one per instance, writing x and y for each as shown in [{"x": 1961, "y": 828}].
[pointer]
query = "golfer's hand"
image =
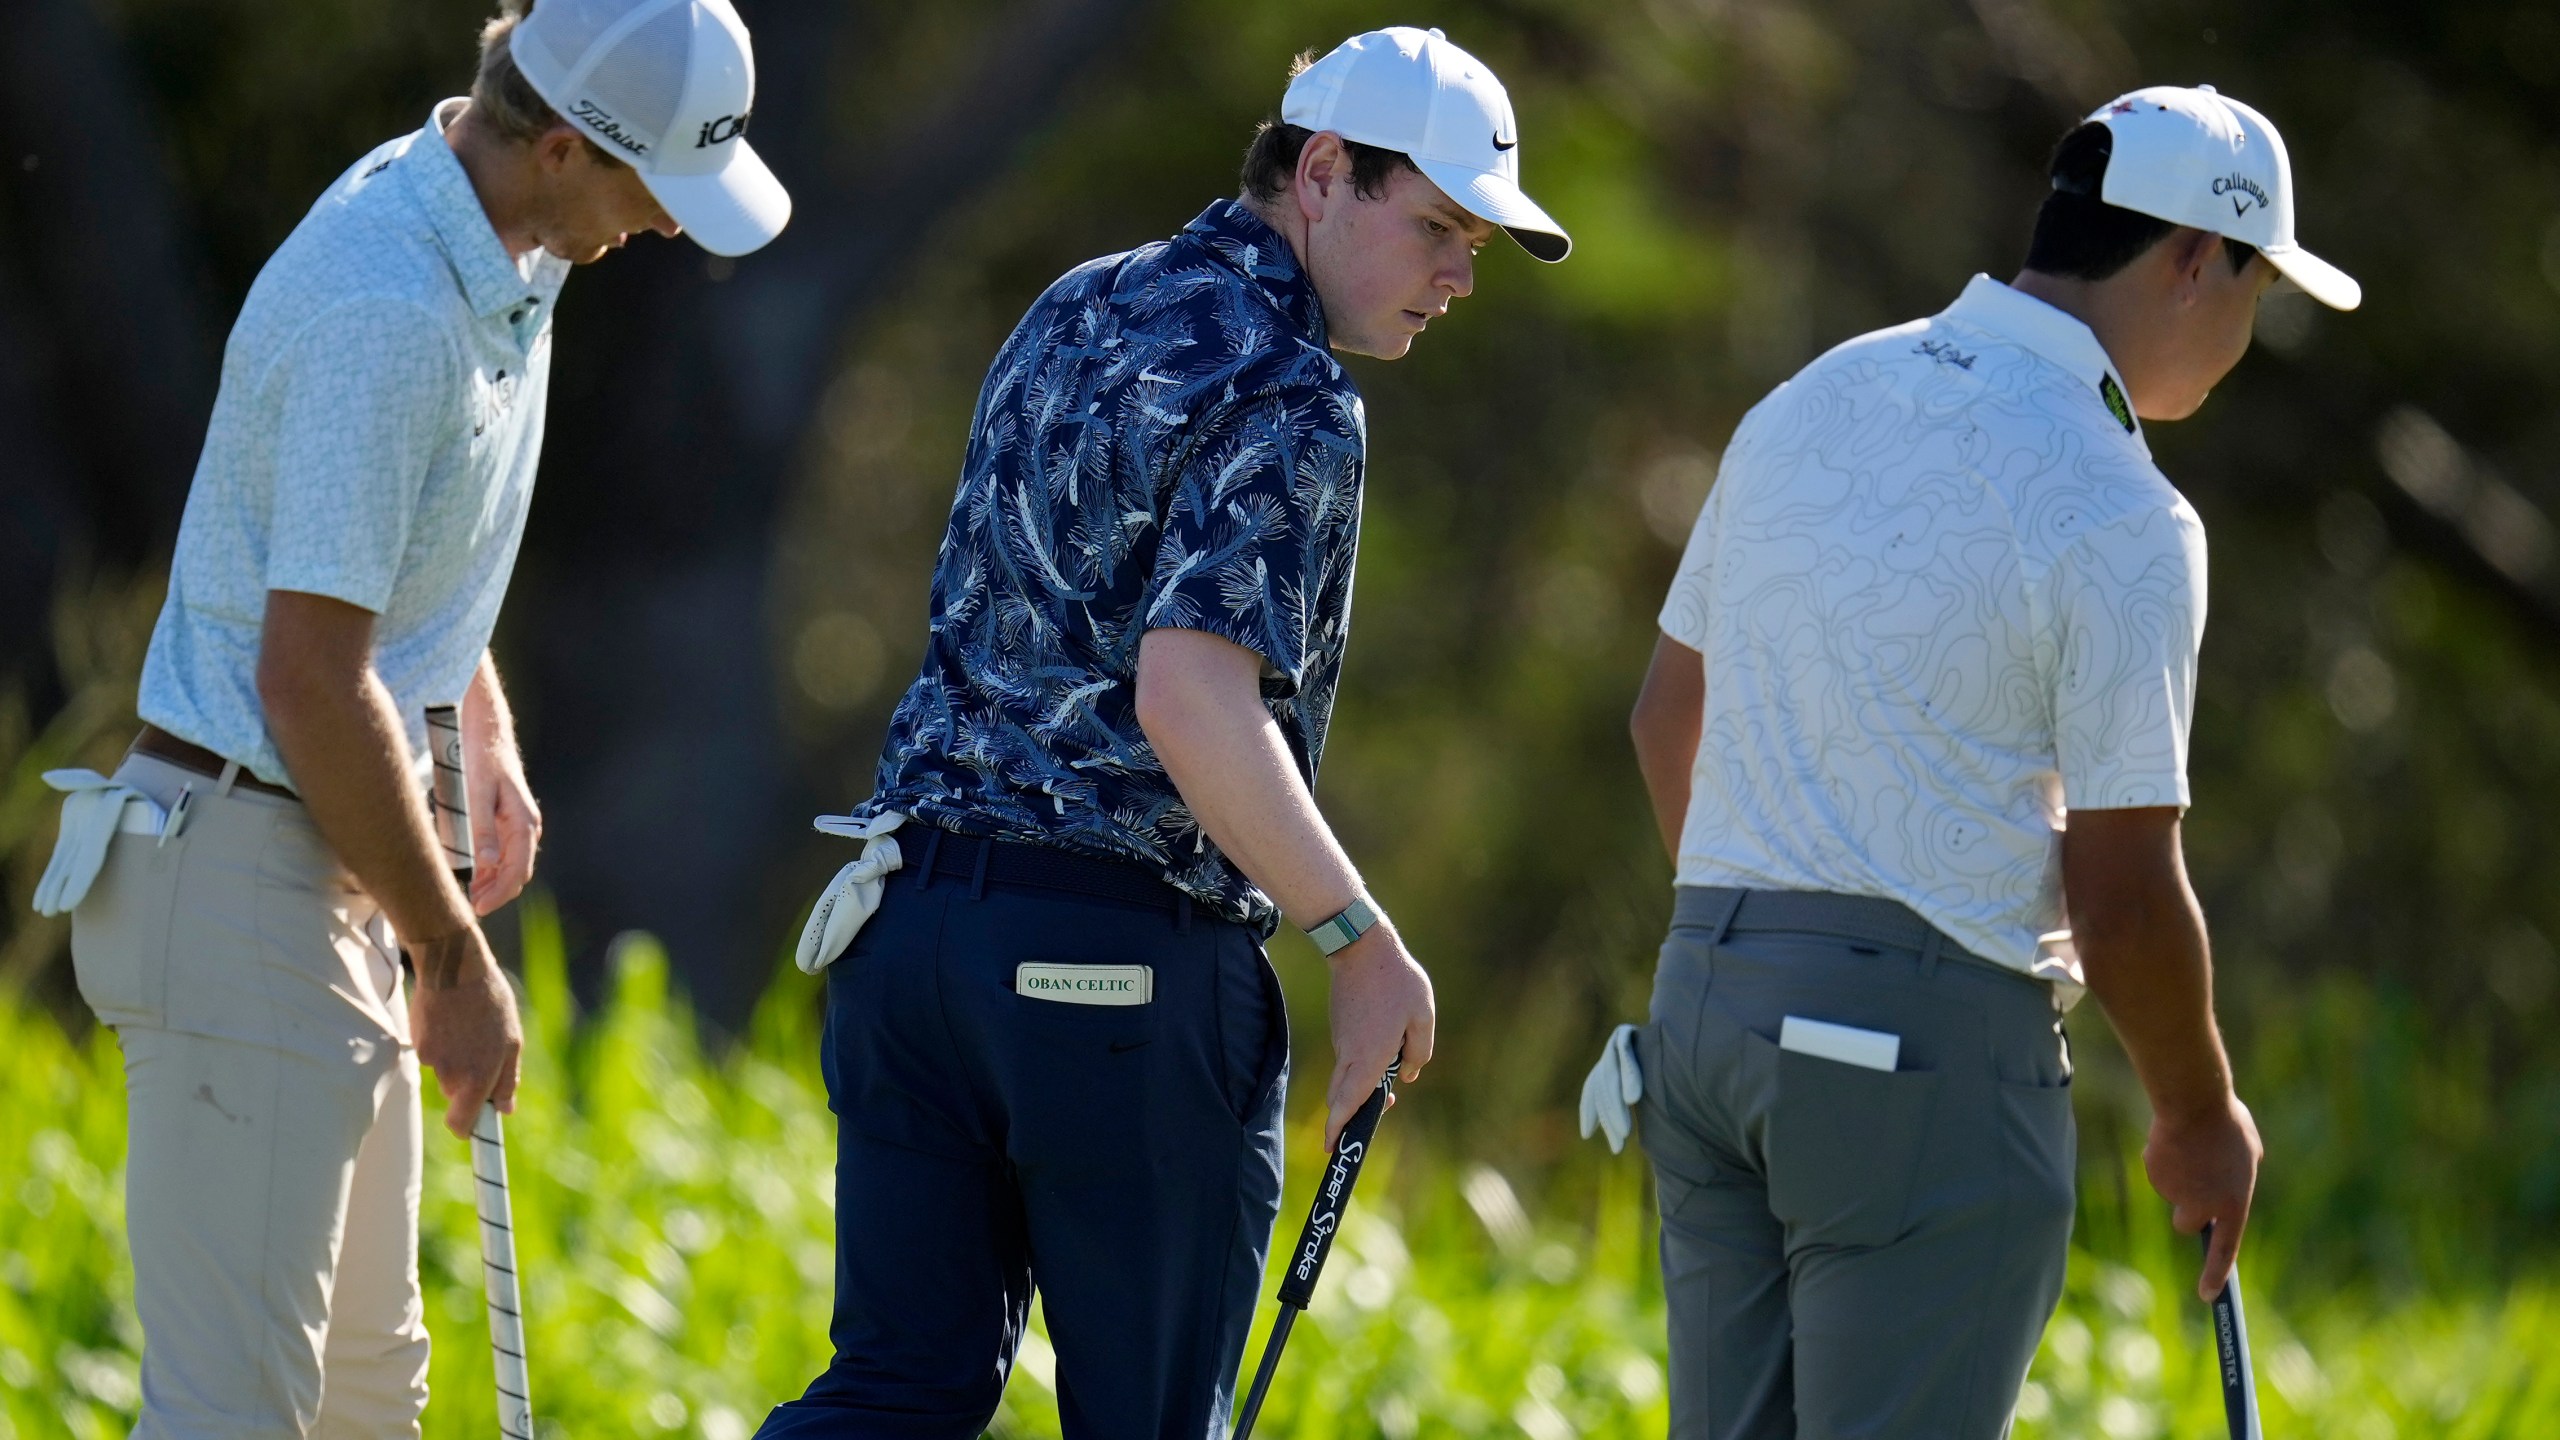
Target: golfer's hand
[
  {"x": 1381, "y": 1003},
  {"x": 463, "y": 1016},
  {"x": 506, "y": 827},
  {"x": 2206, "y": 1167}
]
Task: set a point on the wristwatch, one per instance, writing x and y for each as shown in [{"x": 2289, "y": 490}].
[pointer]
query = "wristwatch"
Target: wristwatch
[{"x": 1357, "y": 919}]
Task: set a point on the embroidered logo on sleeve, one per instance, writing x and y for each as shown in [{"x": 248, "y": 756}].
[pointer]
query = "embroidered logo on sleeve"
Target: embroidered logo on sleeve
[{"x": 1086, "y": 984}]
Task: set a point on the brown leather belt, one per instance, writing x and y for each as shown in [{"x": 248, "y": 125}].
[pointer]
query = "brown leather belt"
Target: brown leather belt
[{"x": 159, "y": 744}]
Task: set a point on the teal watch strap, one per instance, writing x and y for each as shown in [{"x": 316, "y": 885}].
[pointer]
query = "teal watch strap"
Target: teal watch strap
[{"x": 1357, "y": 919}]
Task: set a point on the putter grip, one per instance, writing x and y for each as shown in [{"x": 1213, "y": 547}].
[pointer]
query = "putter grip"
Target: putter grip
[
  {"x": 1333, "y": 1195},
  {"x": 449, "y": 797},
  {"x": 2231, "y": 1352}
]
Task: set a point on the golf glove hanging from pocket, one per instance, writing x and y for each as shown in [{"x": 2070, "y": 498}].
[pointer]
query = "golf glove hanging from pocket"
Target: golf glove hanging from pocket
[
  {"x": 854, "y": 894},
  {"x": 1611, "y": 1090},
  {"x": 95, "y": 810}
]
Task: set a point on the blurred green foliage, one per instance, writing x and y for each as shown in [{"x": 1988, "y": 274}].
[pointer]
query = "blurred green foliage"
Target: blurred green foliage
[{"x": 674, "y": 1223}]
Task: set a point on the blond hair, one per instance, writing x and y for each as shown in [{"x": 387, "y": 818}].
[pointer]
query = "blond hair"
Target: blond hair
[{"x": 499, "y": 92}]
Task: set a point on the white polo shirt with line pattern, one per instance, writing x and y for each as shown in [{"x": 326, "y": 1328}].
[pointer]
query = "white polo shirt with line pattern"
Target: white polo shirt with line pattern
[
  {"x": 374, "y": 441},
  {"x": 1943, "y": 595}
]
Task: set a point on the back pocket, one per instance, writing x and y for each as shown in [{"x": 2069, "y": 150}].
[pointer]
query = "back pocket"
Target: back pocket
[{"x": 1844, "y": 1146}]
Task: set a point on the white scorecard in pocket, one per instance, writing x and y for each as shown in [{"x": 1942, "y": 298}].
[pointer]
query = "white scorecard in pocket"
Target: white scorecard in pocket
[
  {"x": 1086, "y": 984},
  {"x": 1870, "y": 1049}
]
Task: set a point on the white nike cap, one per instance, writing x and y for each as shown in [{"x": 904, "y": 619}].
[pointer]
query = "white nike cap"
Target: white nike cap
[
  {"x": 2193, "y": 157},
  {"x": 1412, "y": 91},
  {"x": 666, "y": 85}
]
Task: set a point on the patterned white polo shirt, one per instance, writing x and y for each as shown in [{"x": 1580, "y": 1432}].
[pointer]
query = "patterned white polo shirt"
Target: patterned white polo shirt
[
  {"x": 1942, "y": 593},
  {"x": 374, "y": 441}
]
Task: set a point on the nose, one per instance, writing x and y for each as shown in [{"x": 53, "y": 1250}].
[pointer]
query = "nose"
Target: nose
[
  {"x": 666, "y": 225},
  {"x": 1459, "y": 276}
]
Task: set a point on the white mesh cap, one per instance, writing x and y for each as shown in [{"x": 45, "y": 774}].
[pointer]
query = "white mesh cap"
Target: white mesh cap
[
  {"x": 2193, "y": 157},
  {"x": 1411, "y": 90},
  {"x": 666, "y": 85}
]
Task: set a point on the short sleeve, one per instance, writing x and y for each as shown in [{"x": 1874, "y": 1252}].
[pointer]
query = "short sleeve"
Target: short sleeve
[
  {"x": 2129, "y": 604},
  {"x": 1254, "y": 540},
  {"x": 364, "y": 395},
  {"x": 1684, "y": 610}
]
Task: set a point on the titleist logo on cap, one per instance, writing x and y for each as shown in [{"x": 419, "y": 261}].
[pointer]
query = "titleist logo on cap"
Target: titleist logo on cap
[{"x": 608, "y": 127}]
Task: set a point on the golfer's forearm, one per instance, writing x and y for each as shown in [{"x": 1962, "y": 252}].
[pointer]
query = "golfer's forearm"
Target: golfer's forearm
[
  {"x": 342, "y": 737},
  {"x": 484, "y": 708},
  {"x": 2160, "y": 1004},
  {"x": 1665, "y": 725},
  {"x": 1234, "y": 771},
  {"x": 2143, "y": 949}
]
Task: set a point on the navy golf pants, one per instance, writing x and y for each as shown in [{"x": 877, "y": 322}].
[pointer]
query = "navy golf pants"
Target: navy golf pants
[{"x": 1124, "y": 1160}]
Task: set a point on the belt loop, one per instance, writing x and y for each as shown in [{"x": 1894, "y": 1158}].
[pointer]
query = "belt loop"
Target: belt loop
[
  {"x": 1929, "y": 952},
  {"x": 1732, "y": 910},
  {"x": 230, "y": 773},
  {"x": 1182, "y": 912},
  {"x": 932, "y": 853},
  {"x": 978, "y": 876}
]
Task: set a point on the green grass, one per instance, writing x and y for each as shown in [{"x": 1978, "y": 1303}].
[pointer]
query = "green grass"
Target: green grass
[{"x": 673, "y": 1210}]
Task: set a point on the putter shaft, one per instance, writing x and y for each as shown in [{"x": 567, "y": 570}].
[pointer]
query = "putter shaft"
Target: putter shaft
[
  {"x": 498, "y": 1275},
  {"x": 1262, "y": 1374}
]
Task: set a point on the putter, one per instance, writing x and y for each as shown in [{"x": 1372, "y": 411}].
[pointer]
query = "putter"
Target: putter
[
  {"x": 449, "y": 804},
  {"x": 2231, "y": 1345},
  {"x": 1324, "y": 1220}
]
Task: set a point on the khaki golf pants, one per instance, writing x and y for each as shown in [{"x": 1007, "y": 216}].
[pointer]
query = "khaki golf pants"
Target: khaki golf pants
[
  {"x": 1845, "y": 1251},
  {"x": 271, "y": 1185}
]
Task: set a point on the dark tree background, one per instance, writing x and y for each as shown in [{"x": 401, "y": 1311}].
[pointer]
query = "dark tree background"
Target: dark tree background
[{"x": 748, "y": 465}]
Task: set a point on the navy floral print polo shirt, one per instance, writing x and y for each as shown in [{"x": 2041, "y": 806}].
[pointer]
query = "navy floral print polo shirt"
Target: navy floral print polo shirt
[{"x": 1163, "y": 441}]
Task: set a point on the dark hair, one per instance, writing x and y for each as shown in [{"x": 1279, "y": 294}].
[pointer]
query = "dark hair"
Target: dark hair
[
  {"x": 500, "y": 93},
  {"x": 2081, "y": 237},
  {"x": 1271, "y": 161}
]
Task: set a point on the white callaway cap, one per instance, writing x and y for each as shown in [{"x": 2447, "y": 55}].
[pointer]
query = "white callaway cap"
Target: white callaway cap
[
  {"x": 1412, "y": 91},
  {"x": 2193, "y": 157},
  {"x": 666, "y": 86}
]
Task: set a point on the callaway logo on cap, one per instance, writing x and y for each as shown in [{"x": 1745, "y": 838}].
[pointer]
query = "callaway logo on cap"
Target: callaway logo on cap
[
  {"x": 667, "y": 86},
  {"x": 2194, "y": 157},
  {"x": 1412, "y": 91}
]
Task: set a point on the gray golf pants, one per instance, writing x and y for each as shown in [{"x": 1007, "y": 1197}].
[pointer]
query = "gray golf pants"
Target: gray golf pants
[{"x": 1845, "y": 1251}]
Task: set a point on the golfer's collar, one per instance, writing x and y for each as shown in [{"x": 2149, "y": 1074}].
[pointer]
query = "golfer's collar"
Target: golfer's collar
[
  {"x": 490, "y": 279},
  {"x": 2051, "y": 333},
  {"x": 1245, "y": 244}
]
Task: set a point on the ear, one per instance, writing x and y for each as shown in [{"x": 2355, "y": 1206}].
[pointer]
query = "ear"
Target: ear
[
  {"x": 558, "y": 148},
  {"x": 2188, "y": 250},
  {"x": 1324, "y": 173}
]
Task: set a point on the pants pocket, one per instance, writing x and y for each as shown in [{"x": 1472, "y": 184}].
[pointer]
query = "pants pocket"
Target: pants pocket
[
  {"x": 1844, "y": 1146},
  {"x": 120, "y": 933},
  {"x": 2041, "y": 1146},
  {"x": 1253, "y": 1027}
]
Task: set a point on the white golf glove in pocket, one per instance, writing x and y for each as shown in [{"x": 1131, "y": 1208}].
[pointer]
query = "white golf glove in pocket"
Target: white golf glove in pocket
[
  {"x": 854, "y": 894},
  {"x": 95, "y": 810},
  {"x": 1611, "y": 1090}
]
